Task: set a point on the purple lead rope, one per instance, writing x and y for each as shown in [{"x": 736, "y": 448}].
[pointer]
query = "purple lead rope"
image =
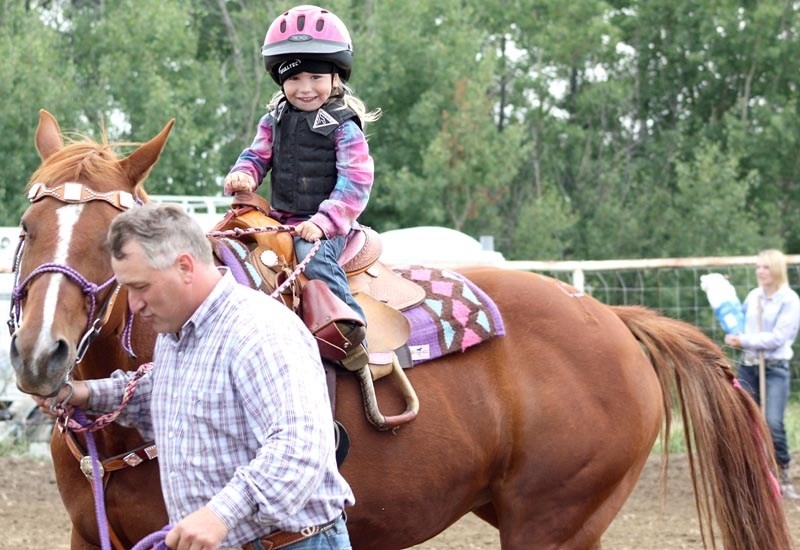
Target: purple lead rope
[
  {"x": 97, "y": 484},
  {"x": 154, "y": 541}
]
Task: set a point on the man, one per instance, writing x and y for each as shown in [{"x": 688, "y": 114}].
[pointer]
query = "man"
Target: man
[{"x": 236, "y": 401}]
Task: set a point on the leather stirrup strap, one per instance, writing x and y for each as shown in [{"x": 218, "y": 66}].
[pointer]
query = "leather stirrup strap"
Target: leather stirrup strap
[{"x": 330, "y": 380}]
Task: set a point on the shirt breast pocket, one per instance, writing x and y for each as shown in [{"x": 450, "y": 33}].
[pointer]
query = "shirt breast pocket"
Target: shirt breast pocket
[{"x": 209, "y": 414}]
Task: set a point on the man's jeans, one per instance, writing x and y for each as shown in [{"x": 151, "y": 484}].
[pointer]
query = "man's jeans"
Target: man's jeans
[
  {"x": 777, "y": 396},
  {"x": 335, "y": 538},
  {"x": 325, "y": 267}
]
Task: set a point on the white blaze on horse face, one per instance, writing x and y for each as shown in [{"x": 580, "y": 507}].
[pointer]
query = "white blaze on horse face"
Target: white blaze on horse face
[{"x": 67, "y": 218}]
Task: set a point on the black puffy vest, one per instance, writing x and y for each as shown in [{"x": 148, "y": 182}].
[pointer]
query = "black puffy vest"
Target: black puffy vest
[{"x": 304, "y": 156}]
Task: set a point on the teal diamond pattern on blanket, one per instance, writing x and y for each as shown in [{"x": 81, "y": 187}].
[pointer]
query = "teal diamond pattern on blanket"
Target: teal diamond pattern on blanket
[
  {"x": 454, "y": 316},
  {"x": 436, "y": 305},
  {"x": 448, "y": 333},
  {"x": 483, "y": 321},
  {"x": 467, "y": 293}
]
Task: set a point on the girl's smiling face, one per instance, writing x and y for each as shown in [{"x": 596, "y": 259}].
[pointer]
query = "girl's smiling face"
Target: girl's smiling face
[{"x": 308, "y": 91}]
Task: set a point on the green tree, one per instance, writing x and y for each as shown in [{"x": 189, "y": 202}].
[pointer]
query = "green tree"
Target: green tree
[
  {"x": 410, "y": 57},
  {"x": 585, "y": 124},
  {"x": 139, "y": 67},
  {"x": 543, "y": 228},
  {"x": 709, "y": 213},
  {"x": 33, "y": 75}
]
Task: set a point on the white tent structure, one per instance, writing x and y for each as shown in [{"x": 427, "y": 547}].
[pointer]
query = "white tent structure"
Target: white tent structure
[
  {"x": 435, "y": 247},
  {"x": 206, "y": 210}
]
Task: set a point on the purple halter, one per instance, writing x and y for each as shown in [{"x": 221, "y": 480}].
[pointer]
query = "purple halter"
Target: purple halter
[
  {"x": 72, "y": 193},
  {"x": 89, "y": 289}
]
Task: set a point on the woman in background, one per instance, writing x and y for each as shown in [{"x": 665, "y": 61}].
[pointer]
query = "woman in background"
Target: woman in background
[{"x": 772, "y": 318}]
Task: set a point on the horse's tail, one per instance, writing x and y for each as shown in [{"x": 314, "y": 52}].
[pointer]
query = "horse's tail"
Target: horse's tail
[{"x": 731, "y": 462}]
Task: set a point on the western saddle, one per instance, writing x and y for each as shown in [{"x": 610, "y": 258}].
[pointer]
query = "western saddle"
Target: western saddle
[{"x": 379, "y": 291}]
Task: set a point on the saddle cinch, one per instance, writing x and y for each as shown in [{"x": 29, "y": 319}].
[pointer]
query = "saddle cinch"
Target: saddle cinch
[{"x": 379, "y": 291}]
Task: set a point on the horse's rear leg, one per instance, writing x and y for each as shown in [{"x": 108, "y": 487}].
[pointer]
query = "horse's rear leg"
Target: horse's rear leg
[
  {"x": 487, "y": 513},
  {"x": 572, "y": 517},
  {"x": 517, "y": 537}
]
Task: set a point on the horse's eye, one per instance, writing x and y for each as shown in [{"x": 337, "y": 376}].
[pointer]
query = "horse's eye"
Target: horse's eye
[{"x": 25, "y": 231}]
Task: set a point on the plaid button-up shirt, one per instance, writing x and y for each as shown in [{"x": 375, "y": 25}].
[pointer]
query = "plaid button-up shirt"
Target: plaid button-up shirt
[{"x": 239, "y": 410}]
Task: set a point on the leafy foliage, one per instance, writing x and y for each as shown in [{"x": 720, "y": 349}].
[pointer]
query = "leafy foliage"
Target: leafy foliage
[{"x": 588, "y": 130}]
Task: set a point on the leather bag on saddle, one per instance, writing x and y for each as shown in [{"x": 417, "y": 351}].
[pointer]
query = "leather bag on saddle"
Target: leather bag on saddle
[{"x": 333, "y": 323}]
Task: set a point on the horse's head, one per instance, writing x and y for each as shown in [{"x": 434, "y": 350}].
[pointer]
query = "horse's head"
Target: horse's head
[{"x": 64, "y": 286}]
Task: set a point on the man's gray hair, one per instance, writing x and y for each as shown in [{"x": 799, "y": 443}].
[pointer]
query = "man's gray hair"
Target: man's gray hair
[{"x": 164, "y": 232}]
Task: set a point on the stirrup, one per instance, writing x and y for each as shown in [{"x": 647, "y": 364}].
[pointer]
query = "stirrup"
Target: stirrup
[{"x": 357, "y": 357}]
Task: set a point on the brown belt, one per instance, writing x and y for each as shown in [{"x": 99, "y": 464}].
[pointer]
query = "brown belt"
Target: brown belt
[{"x": 282, "y": 539}]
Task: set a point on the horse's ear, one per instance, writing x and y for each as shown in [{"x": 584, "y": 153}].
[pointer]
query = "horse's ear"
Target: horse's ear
[
  {"x": 48, "y": 135},
  {"x": 138, "y": 164}
]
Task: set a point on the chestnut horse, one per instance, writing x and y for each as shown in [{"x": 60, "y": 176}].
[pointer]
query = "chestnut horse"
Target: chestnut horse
[{"x": 541, "y": 432}]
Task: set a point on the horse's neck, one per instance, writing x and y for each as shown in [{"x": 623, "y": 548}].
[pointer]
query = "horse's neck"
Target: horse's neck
[{"x": 107, "y": 353}]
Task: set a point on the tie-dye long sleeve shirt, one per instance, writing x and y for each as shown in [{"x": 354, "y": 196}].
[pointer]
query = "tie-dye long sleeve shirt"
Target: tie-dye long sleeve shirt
[{"x": 337, "y": 215}]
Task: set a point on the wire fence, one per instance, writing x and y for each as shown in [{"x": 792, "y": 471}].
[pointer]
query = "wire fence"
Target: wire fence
[{"x": 669, "y": 285}]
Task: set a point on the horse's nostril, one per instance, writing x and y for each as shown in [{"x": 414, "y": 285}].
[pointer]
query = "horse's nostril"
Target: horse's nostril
[
  {"x": 13, "y": 353},
  {"x": 59, "y": 357}
]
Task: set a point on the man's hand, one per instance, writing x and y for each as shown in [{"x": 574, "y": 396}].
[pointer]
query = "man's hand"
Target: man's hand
[
  {"x": 79, "y": 398},
  {"x": 200, "y": 530}
]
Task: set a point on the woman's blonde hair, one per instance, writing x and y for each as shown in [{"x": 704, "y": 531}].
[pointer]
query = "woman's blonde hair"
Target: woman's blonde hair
[
  {"x": 343, "y": 91},
  {"x": 776, "y": 263}
]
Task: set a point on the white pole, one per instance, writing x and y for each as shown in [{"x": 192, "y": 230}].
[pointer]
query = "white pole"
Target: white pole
[{"x": 578, "y": 280}]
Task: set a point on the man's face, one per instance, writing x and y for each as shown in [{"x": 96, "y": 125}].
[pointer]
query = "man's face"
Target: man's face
[{"x": 158, "y": 296}]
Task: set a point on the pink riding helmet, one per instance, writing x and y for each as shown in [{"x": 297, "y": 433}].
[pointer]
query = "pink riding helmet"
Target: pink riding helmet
[{"x": 308, "y": 32}]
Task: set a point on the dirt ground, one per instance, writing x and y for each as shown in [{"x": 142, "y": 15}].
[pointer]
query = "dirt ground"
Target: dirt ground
[{"x": 32, "y": 517}]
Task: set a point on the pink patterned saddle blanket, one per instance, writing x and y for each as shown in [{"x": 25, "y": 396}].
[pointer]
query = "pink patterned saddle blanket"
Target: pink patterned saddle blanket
[{"x": 454, "y": 315}]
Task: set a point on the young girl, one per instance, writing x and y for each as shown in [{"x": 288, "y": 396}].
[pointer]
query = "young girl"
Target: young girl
[{"x": 312, "y": 141}]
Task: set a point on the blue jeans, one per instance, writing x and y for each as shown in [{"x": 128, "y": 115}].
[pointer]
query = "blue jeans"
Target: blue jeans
[
  {"x": 335, "y": 538},
  {"x": 777, "y": 395},
  {"x": 325, "y": 267}
]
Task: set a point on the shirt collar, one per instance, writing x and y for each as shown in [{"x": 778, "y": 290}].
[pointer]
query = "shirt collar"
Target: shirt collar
[
  {"x": 777, "y": 295},
  {"x": 208, "y": 310}
]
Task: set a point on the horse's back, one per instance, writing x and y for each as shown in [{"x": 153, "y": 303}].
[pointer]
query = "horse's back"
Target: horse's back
[{"x": 563, "y": 402}]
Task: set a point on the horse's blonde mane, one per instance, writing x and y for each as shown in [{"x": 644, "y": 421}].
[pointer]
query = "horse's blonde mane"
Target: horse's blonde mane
[{"x": 86, "y": 161}]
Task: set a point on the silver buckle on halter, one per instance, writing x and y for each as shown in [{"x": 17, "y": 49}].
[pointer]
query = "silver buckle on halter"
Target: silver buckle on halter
[{"x": 86, "y": 467}]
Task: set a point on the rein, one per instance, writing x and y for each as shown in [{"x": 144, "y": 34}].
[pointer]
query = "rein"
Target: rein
[
  {"x": 61, "y": 409},
  {"x": 299, "y": 268},
  {"x": 94, "y": 468},
  {"x": 97, "y": 487}
]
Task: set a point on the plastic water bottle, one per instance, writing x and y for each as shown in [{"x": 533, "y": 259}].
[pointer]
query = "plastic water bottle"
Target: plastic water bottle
[{"x": 723, "y": 299}]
